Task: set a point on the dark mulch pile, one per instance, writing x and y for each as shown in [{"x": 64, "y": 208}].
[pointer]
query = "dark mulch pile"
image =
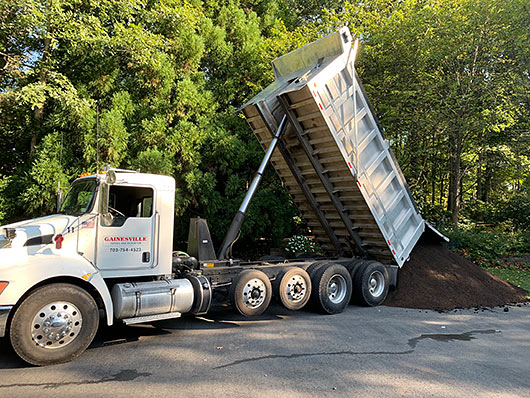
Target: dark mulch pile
[{"x": 437, "y": 278}]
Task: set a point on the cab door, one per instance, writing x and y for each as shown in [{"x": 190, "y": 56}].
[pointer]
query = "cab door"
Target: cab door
[{"x": 127, "y": 231}]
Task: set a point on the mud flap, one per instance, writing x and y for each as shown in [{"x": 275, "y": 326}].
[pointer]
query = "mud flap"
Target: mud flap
[{"x": 392, "y": 276}]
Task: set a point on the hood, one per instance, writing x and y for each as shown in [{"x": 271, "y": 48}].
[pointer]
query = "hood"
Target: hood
[{"x": 49, "y": 225}]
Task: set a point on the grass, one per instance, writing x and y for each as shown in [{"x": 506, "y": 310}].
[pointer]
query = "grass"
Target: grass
[
  {"x": 515, "y": 275},
  {"x": 490, "y": 249}
]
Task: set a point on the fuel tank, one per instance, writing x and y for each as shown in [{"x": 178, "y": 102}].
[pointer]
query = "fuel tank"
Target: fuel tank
[{"x": 135, "y": 299}]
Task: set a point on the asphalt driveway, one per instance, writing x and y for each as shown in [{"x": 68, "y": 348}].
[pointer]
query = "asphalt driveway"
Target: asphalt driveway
[{"x": 379, "y": 352}]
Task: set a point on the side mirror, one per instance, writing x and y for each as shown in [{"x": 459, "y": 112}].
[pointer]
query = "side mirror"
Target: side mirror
[
  {"x": 111, "y": 177},
  {"x": 105, "y": 216},
  {"x": 106, "y": 219}
]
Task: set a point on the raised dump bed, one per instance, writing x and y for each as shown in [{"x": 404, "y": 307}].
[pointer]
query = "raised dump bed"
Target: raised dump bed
[{"x": 332, "y": 156}]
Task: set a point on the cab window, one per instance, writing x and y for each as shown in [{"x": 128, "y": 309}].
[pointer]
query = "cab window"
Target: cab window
[
  {"x": 80, "y": 198},
  {"x": 126, "y": 202}
]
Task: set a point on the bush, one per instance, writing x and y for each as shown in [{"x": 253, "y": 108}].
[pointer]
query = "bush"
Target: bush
[
  {"x": 488, "y": 213},
  {"x": 518, "y": 211},
  {"x": 302, "y": 244},
  {"x": 5, "y": 207},
  {"x": 485, "y": 246}
]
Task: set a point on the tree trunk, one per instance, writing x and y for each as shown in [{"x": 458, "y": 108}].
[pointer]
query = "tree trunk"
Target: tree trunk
[
  {"x": 488, "y": 177},
  {"x": 479, "y": 191},
  {"x": 455, "y": 162},
  {"x": 39, "y": 112},
  {"x": 434, "y": 173},
  {"x": 442, "y": 188}
]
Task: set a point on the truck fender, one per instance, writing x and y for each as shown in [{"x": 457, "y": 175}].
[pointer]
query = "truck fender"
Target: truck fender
[
  {"x": 40, "y": 269},
  {"x": 101, "y": 287}
]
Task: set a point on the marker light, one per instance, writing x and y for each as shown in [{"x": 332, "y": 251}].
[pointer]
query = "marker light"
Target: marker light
[
  {"x": 3, "y": 285},
  {"x": 59, "y": 241}
]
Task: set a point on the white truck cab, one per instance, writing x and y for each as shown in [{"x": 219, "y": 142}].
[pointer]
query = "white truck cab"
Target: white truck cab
[{"x": 54, "y": 270}]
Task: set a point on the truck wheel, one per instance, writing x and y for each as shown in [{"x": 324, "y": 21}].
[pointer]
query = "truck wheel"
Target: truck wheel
[
  {"x": 54, "y": 324},
  {"x": 313, "y": 267},
  {"x": 293, "y": 287},
  {"x": 371, "y": 284},
  {"x": 352, "y": 266},
  {"x": 332, "y": 289},
  {"x": 251, "y": 293}
]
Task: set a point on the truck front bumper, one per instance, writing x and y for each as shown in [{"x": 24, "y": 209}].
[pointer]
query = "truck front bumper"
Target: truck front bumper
[{"x": 4, "y": 314}]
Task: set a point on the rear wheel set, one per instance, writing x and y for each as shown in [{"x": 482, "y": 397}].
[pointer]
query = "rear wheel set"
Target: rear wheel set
[
  {"x": 370, "y": 283},
  {"x": 328, "y": 286},
  {"x": 367, "y": 283},
  {"x": 332, "y": 288},
  {"x": 251, "y": 293}
]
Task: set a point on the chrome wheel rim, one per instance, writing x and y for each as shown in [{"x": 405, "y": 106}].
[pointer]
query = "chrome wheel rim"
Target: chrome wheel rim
[
  {"x": 337, "y": 288},
  {"x": 56, "y": 325},
  {"x": 254, "y": 293},
  {"x": 376, "y": 283},
  {"x": 296, "y": 288}
]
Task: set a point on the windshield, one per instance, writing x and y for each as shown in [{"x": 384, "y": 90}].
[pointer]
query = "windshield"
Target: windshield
[{"x": 80, "y": 198}]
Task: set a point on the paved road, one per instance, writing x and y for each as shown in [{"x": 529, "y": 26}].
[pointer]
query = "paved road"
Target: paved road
[{"x": 378, "y": 352}]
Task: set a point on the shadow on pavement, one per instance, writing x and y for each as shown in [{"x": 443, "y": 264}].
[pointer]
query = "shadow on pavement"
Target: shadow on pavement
[
  {"x": 8, "y": 358},
  {"x": 220, "y": 317}
]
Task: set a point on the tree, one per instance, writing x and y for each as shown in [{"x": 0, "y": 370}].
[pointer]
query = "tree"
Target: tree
[
  {"x": 445, "y": 78},
  {"x": 149, "y": 85},
  {"x": 156, "y": 86}
]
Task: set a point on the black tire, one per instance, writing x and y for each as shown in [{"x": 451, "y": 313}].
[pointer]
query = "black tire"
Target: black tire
[
  {"x": 315, "y": 266},
  {"x": 30, "y": 332},
  {"x": 354, "y": 268},
  {"x": 293, "y": 288},
  {"x": 370, "y": 284},
  {"x": 332, "y": 288},
  {"x": 250, "y": 294},
  {"x": 352, "y": 265}
]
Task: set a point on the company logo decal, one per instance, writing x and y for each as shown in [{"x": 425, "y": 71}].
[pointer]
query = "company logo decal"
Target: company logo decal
[{"x": 125, "y": 238}]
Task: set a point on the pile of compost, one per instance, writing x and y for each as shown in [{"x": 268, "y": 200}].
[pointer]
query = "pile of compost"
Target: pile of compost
[{"x": 437, "y": 278}]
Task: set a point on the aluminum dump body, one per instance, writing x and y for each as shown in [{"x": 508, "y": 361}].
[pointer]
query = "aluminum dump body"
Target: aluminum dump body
[{"x": 332, "y": 157}]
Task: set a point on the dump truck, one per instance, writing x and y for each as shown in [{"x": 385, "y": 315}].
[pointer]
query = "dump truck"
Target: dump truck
[{"x": 107, "y": 255}]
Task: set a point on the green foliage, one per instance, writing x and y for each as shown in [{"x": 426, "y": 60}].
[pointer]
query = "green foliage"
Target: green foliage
[
  {"x": 44, "y": 177},
  {"x": 446, "y": 79},
  {"x": 152, "y": 161},
  {"x": 435, "y": 214},
  {"x": 155, "y": 86},
  {"x": 498, "y": 252},
  {"x": 517, "y": 210},
  {"x": 490, "y": 243},
  {"x": 151, "y": 86},
  {"x": 5, "y": 206}
]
